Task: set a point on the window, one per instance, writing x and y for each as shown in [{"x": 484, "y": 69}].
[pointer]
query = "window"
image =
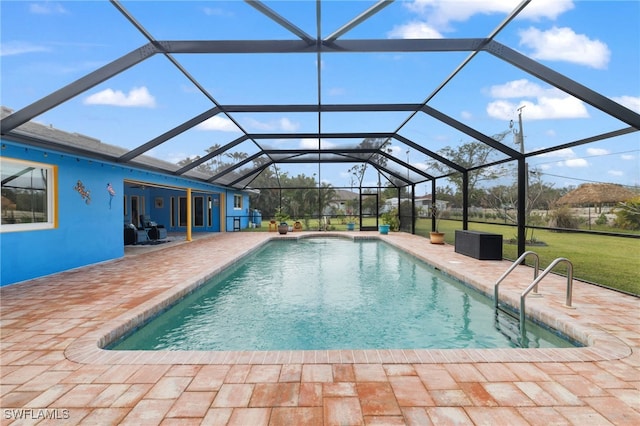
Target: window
[
  {"x": 237, "y": 202},
  {"x": 198, "y": 211},
  {"x": 27, "y": 195}
]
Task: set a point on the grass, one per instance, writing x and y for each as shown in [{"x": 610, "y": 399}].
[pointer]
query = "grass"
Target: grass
[
  {"x": 609, "y": 261},
  {"x": 606, "y": 260}
]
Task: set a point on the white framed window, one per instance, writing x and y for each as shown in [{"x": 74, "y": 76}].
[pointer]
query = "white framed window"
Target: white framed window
[
  {"x": 237, "y": 202},
  {"x": 28, "y": 195}
]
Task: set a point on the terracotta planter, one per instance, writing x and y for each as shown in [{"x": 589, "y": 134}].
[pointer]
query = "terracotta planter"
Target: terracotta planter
[{"x": 437, "y": 237}]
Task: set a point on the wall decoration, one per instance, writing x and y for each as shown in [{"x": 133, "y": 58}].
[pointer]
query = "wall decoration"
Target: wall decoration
[
  {"x": 159, "y": 202},
  {"x": 111, "y": 192},
  {"x": 84, "y": 193}
]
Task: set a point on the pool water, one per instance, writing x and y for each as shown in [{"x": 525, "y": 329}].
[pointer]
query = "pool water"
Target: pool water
[{"x": 329, "y": 293}]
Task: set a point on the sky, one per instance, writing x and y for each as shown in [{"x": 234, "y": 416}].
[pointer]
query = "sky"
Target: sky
[{"x": 47, "y": 45}]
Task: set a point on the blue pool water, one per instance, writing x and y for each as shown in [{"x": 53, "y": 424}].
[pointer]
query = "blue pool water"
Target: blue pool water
[{"x": 329, "y": 293}]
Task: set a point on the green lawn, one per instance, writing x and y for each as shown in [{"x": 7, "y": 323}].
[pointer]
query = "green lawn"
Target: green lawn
[{"x": 610, "y": 261}]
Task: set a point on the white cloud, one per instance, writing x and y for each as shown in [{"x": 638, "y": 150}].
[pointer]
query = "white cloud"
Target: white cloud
[
  {"x": 631, "y": 102},
  {"x": 218, "y": 123},
  {"x": 548, "y": 103},
  {"x": 627, "y": 157},
  {"x": 337, "y": 91},
  {"x": 522, "y": 88},
  {"x": 544, "y": 108},
  {"x": 616, "y": 173},
  {"x": 561, "y": 153},
  {"x": 440, "y": 14},
  {"x": 563, "y": 44},
  {"x": 20, "y": 47},
  {"x": 466, "y": 115},
  {"x": 414, "y": 29},
  {"x": 137, "y": 97},
  {"x": 576, "y": 162},
  {"x": 288, "y": 125},
  {"x": 598, "y": 151},
  {"x": 47, "y": 8},
  {"x": 313, "y": 144},
  {"x": 420, "y": 165},
  {"x": 282, "y": 124},
  {"x": 216, "y": 11}
]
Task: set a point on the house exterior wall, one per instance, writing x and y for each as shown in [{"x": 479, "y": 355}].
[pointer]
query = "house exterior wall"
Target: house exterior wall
[{"x": 90, "y": 229}]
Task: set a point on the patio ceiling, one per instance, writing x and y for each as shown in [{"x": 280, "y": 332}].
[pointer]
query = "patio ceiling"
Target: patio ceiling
[{"x": 347, "y": 133}]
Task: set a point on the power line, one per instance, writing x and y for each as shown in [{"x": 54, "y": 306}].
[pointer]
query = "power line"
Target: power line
[
  {"x": 580, "y": 180},
  {"x": 592, "y": 156}
]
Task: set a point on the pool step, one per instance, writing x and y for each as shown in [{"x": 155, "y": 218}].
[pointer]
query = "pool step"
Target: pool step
[{"x": 508, "y": 324}]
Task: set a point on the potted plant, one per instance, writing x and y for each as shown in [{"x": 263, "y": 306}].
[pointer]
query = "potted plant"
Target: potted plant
[
  {"x": 389, "y": 222},
  {"x": 436, "y": 236},
  {"x": 351, "y": 223},
  {"x": 281, "y": 219}
]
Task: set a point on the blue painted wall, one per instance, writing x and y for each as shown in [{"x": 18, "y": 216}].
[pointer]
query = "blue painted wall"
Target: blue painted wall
[{"x": 88, "y": 232}]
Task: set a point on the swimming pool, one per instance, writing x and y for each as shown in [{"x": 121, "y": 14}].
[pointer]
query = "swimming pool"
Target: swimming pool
[{"x": 329, "y": 293}]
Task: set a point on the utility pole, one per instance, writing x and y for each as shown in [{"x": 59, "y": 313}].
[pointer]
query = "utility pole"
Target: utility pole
[
  {"x": 519, "y": 136},
  {"x": 524, "y": 189},
  {"x": 519, "y": 140}
]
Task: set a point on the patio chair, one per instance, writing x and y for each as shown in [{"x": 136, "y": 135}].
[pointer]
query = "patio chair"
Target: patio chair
[{"x": 154, "y": 231}]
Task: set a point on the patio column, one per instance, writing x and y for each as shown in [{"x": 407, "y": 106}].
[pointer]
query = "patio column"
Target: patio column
[{"x": 189, "y": 237}]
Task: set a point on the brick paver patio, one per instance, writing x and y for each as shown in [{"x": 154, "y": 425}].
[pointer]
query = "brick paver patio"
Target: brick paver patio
[{"x": 54, "y": 372}]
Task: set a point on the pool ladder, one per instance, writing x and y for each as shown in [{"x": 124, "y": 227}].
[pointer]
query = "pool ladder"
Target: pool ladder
[{"x": 507, "y": 327}]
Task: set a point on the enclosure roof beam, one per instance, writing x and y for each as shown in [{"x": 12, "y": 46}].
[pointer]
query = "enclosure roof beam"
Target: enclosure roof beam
[
  {"x": 406, "y": 165},
  {"x": 357, "y": 20},
  {"x": 257, "y": 170},
  {"x": 237, "y": 165},
  {"x": 337, "y": 135},
  {"x": 75, "y": 88},
  {"x": 169, "y": 134},
  {"x": 321, "y": 108},
  {"x": 471, "y": 132},
  {"x": 211, "y": 154},
  {"x": 258, "y": 5},
  {"x": 429, "y": 153}
]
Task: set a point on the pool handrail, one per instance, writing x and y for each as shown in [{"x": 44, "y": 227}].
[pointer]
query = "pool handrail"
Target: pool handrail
[
  {"x": 536, "y": 268},
  {"x": 538, "y": 279}
]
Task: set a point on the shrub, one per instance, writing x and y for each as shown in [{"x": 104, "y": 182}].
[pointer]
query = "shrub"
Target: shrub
[
  {"x": 602, "y": 219},
  {"x": 563, "y": 217},
  {"x": 391, "y": 219},
  {"x": 628, "y": 214}
]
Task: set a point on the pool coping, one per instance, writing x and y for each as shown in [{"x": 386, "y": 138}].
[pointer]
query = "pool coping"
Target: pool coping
[{"x": 600, "y": 344}]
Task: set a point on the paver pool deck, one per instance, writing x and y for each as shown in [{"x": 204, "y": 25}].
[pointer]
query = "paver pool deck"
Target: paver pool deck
[{"x": 52, "y": 364}]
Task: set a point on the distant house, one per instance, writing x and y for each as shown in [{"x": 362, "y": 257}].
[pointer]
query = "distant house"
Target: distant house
[
  {"x": 423, "y": 204},
  {"x": 343, "y": 202}
]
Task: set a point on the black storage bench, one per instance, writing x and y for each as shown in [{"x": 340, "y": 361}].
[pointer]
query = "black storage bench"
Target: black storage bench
[{"x": 479, "y": 245}]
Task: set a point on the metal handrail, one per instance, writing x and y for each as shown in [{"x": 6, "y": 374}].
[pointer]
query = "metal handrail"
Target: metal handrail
[
  {"x": 538, "y": 279},
  {"x": 536, "y": 268}
]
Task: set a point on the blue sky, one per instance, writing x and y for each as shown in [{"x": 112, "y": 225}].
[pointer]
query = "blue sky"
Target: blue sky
[{"x": 46, "y": 45}]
